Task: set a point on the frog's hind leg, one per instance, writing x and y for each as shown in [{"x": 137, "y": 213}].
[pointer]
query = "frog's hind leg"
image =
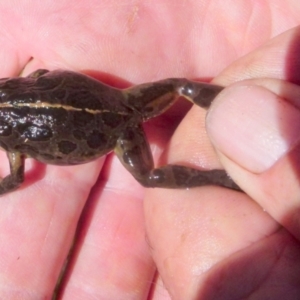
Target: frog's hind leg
[
  {"x": 16, "y": 176},
  {"x": 133, "y": 151}
]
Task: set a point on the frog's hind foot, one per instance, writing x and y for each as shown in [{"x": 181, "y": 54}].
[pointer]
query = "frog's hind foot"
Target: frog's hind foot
[{"x": 174, "y": 176}]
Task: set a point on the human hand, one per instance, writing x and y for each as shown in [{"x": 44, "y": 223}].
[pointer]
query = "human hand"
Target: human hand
[
  {"x": 216, "y": 244},
  {"x": 111, "y": 255}
]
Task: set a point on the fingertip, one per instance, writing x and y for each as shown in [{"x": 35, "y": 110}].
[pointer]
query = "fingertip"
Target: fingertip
[{"x": 253, "y": 126}]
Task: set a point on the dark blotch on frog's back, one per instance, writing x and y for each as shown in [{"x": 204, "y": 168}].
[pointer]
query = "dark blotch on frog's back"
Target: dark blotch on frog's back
[
  {"x": 66, "y": 147},
  {"x": 97, "y": 139}
]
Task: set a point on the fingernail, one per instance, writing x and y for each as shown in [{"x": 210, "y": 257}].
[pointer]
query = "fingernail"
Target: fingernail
[{"x": 253, "y": 126}]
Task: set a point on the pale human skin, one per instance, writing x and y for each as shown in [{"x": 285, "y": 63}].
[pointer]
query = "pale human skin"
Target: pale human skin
[{"x": 207, "y": 243}]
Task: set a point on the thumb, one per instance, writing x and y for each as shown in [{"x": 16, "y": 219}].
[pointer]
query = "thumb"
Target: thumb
[{"x": 255, "y": 127}]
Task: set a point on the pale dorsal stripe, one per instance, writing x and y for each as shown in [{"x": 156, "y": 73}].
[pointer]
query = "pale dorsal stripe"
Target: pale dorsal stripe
[{"x": 55, "y": 105}]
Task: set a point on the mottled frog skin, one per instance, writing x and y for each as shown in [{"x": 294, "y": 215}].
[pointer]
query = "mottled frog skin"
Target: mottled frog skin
[{"x": 66, "y": 118}]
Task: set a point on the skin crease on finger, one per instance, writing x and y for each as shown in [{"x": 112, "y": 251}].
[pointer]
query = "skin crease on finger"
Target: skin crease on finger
[{"x": 134, "y": 40}]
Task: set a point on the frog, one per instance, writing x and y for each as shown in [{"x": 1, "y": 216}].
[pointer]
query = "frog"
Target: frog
[{"x": 64, "y": 117}]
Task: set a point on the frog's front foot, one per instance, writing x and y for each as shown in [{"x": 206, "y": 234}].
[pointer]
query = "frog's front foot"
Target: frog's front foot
[{"x": 16, "y": 176}]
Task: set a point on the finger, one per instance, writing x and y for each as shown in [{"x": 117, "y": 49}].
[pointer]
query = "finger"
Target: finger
[
  {"x": 192, "y": 231},
  {"x": 278, "y": 58},
  {"x": 255, "y": 125},
  {"x": 38, "y": 222},
  {"x": 111, "y": 259}
]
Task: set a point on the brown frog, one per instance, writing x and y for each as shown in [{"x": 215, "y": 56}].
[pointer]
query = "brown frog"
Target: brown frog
[{"x": 66, "y": 118}]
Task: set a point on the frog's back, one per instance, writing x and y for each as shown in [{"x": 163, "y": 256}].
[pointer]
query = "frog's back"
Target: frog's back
[
  {"x": 63, "y": 87},
  {"x": 60, "y": 117}
]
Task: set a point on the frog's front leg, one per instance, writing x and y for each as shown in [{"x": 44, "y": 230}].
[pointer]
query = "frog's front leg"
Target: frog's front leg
[
  {"x": 16, "y": 176},
  {"x": 133, "y": 151}
]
